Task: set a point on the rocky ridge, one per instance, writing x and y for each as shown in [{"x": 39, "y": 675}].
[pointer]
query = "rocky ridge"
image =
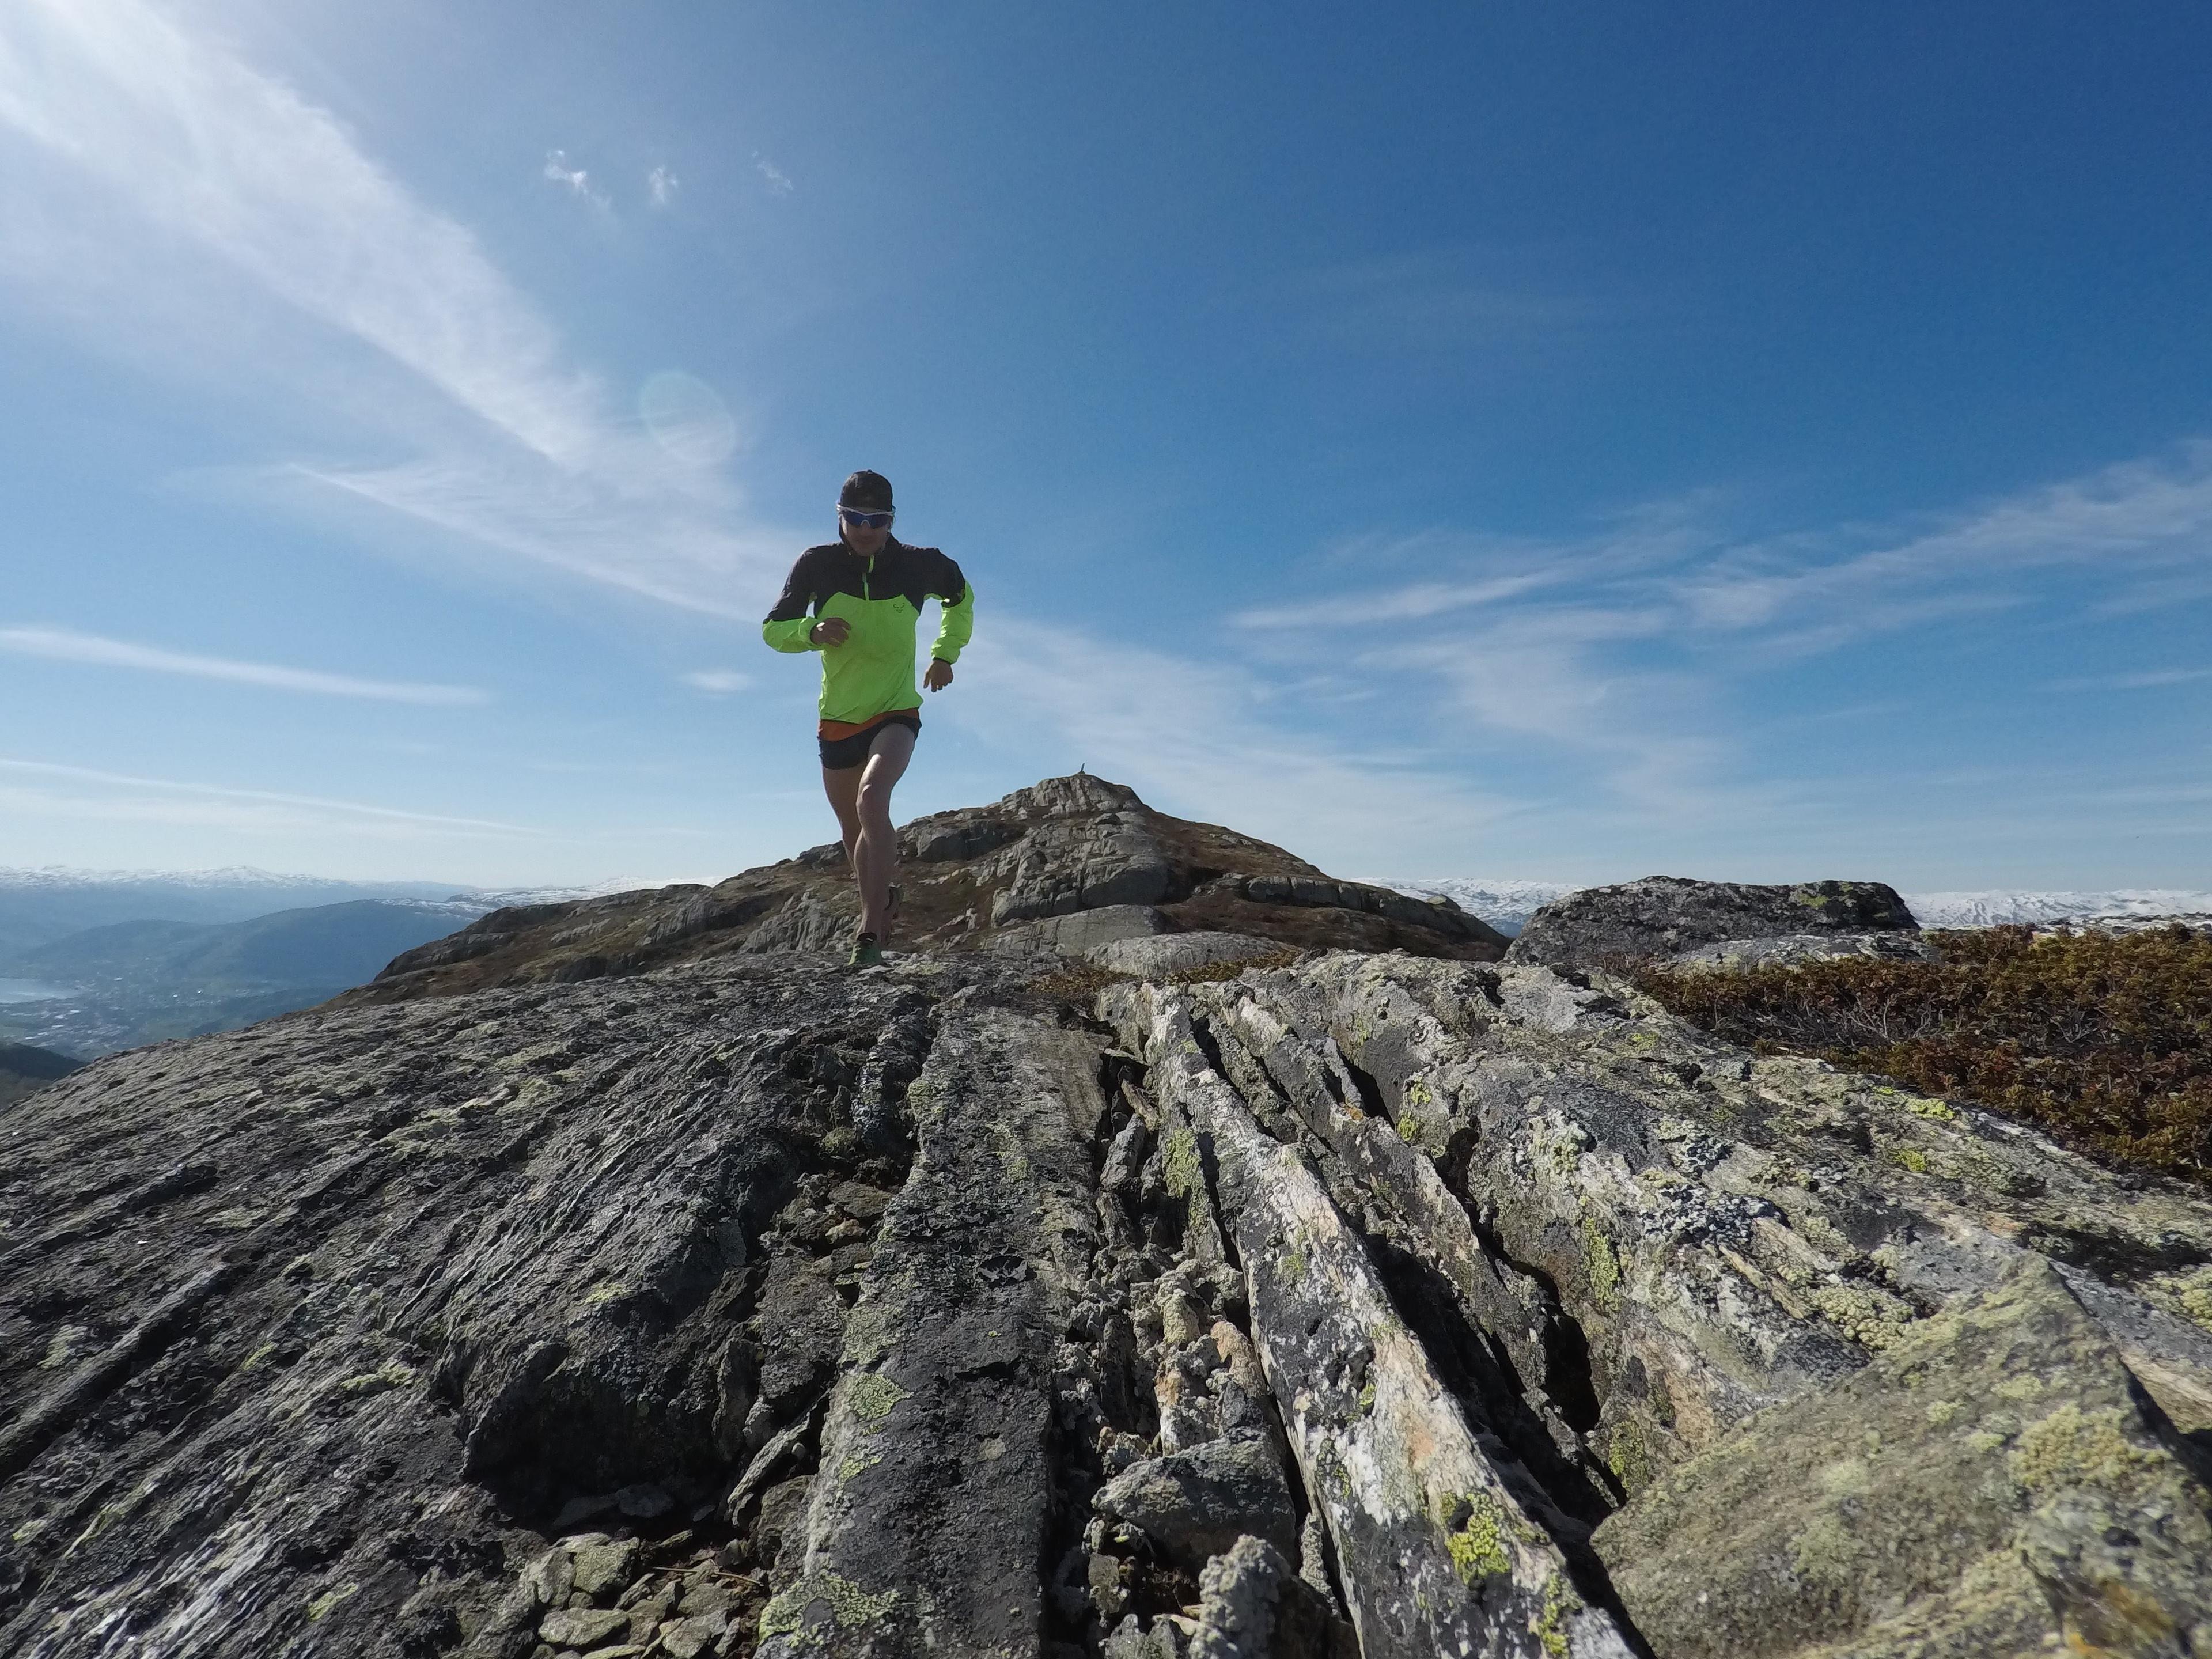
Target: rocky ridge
[
  {"x": 1360, "y": 1303},
  {"x": 1067, "y": 866}
]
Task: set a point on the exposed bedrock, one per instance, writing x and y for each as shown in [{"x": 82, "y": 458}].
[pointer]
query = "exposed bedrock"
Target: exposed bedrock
[
  {"x": 1672, "y": 916},
  {"x": 1358, "y": 1305},
  {"x": 1063, "y": 867}
]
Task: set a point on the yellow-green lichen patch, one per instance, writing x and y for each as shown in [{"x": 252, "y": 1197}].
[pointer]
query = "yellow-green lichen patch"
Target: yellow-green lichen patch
[
  {"x": 858, "y": 1465},
  {"x": 847, "y": 1602},
  {"x": 1476, "y": 1537},
  {"x": 64, "y": 1347},
  {"x": 1909, "y": 1158},
  {"x": 1600, "y": 1263},
  {"x": 600, "y": 1294},
  {"x": 1628, "y": 1454},
  {"x": 2074, "y": 1448},
  {"x": 1179, "y": 1166},
  {"x": 1944, "y": 1412},
  {"x": 1560, "y": 1605},
  {"x": 1869, "y": 1316},
  {"x": 257, "y": 1358},
  {"x": 390, "y": 1375},
  {"x": 1367, "y": 1398},
  {"x": 323, "y": 1605},
  {"x": 869, "y": 1397},
  {"x": 1929, "y": 1106},
  {"x": 2196, "y": 1297}
]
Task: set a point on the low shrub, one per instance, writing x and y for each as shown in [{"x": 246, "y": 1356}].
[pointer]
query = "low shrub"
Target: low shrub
[{"x": 2104, "y": 1040}]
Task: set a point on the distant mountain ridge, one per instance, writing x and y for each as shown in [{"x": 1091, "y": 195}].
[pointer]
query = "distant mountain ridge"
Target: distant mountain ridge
[
  {"x": 38, "y": 906},
  {"x": 1507, "y": 905}
]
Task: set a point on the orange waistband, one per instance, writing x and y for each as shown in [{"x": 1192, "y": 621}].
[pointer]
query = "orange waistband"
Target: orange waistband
[{"x": 832, "y": 731}]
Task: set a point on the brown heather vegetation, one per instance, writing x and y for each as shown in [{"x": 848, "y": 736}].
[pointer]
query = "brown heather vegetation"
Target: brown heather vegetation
[{"x": 2103, "y": 1040}]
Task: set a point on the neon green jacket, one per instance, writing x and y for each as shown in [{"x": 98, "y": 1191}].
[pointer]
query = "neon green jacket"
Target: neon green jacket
[{"x": 881, "y": 598}]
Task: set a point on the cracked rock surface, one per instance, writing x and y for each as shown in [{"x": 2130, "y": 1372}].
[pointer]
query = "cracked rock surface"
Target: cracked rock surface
[{"x": 1362, "y": 1304}]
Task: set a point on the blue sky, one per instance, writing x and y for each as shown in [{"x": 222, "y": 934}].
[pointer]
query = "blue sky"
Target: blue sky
[{"x": 1560, "y": 442}]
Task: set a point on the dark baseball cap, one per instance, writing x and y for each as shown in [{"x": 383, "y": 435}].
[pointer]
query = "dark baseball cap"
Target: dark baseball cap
[{"x": 868, "y": 492}]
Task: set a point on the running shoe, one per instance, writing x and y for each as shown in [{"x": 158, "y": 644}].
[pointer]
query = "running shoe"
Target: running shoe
[{"x": 866, "y": 953}]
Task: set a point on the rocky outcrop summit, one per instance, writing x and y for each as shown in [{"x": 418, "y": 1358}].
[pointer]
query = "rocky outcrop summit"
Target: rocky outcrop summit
[
  {"x": 1360, "y": 1303},
  {"x": 1067, "y": 866},
  {"x": 1717, "y": 921}
]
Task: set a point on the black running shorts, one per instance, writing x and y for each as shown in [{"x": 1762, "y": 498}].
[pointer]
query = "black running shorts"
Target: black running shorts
[{"x": 842, "y": 754}]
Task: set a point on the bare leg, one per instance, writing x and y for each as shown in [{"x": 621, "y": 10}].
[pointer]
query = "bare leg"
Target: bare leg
[
  {"x": 844, "y": 788},
  {"x": 861, "y": 797},
  {"x": 875, "y": 859}
]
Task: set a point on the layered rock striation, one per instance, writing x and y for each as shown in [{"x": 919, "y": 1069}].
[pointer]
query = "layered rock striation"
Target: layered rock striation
[{"x": 1362, "y": 1303}]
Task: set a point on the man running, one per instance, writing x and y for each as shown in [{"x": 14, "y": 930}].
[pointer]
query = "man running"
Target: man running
[{"x": 856, "y": 600}]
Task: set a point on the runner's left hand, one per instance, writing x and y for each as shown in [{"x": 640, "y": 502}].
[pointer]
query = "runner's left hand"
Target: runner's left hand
[{"x": 938, "y": 675}]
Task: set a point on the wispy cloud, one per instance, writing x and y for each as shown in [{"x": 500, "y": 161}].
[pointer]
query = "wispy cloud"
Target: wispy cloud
[
  {"x": 120, "y": 795},
  {"x": 718, "y": 682},
  {"x": 576, "y": 181},
  {"x": 1420, "y": 602},
  {"x": 661, "y": 186},
  {"x": 66, "y": 645},
  {"x": 142, "y": 138},
  {"x": 1622, "y": 644},
  {"x": 2150, "y": 679},
  {"x": 1191, "y": 735},
  {"x": 779, "y": 182}
]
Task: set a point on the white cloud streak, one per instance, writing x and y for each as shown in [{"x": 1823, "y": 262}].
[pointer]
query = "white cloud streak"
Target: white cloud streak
[
  {"x": 1622, "y": 645},
  {"x": 779, "y": 182},
  {"x": 186, "y": 146},
  {"x": 718, "y": 682},
  {"x": 1191, "y": 736},
  {"x": 66, "y": 645},
  {"x": 166, "y": 800},
  {"x": 661, "y": 187}
]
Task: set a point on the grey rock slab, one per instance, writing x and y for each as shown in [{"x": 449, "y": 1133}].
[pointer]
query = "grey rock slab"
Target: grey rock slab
[
  {"x": 927, "y": 1525},
  {"x": 582, "y": 1627},
  {"x": 1175, "y": 953},
  {"x": 1255, "y": 1606},
  {"x": 1078, "y": 932},
  {"x": 1668, "y": 915},
  {"x": 450, "y": 1262},
  {"x": 1728, "y": 1231},
  {"x": 1197, "y": 1504},
  {"x": 1068, "y": 864},
  {"x": 1991, "y": 1483},
  {"x": 1437, "y": 1552}
]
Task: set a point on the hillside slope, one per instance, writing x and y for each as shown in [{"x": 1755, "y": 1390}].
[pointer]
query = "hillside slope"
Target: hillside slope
[{"x": 1370, "y": 1304}]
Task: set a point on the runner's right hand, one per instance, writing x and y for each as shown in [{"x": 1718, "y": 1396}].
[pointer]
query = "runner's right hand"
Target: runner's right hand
[{"x": 830, "y": 630}]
